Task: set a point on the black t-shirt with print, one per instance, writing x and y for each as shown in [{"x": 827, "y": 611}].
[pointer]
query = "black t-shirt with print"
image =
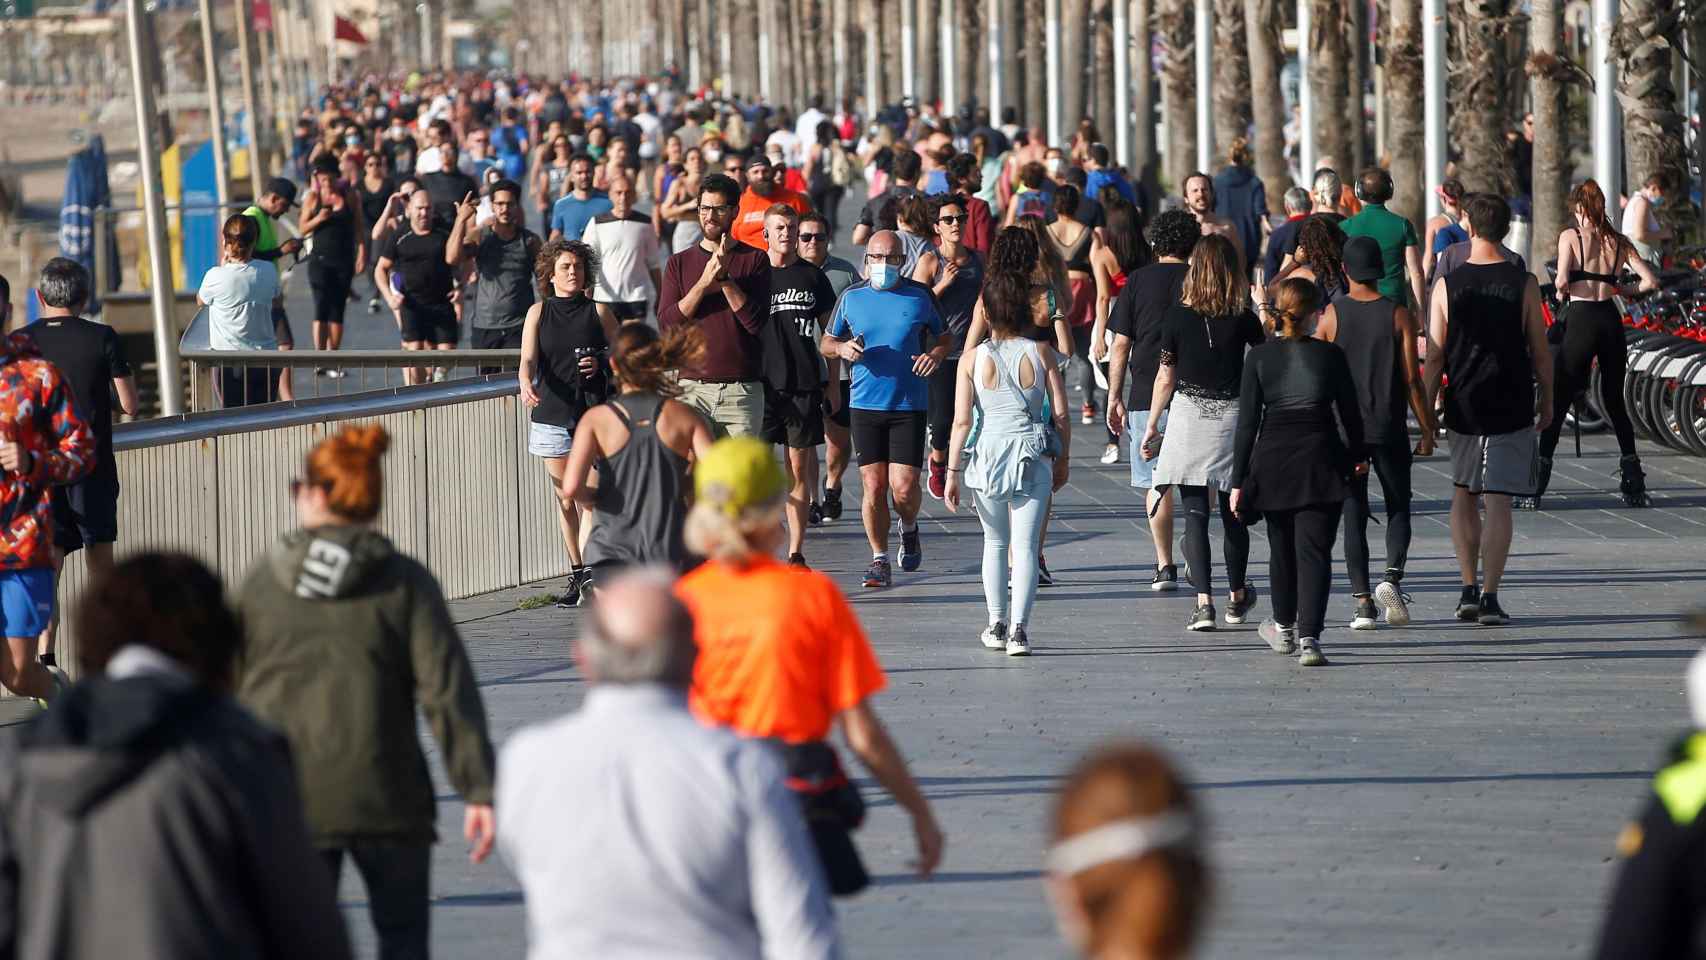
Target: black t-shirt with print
[
  {"x": 799, "y": 294},
  {"x": 419, "y": 257}
]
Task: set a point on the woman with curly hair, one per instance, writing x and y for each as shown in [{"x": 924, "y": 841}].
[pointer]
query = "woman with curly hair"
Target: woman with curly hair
[
  {"x": 562, "y": 340},
  {"x": 1318, "y": 259}
]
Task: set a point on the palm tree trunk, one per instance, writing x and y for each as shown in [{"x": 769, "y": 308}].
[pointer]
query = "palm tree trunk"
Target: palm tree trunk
[
  {"x": 927, "y": 84},
  {"x": 1267, "y": 100},
  {"x": 1145, "y": 163},
  {"x": 595, "y": 40},
  {"x": 1548, "y": 72},
  {"x": 1074, "y": 27},
  {"x": 971, "y": 57},
  {"x": 1404, "y": 109},
  {"x": 1478, "y": 117},
  {"x": 1646, "y": 32},
  {"x": 1356, "y": 77},
  {"x": 890, "y": 50},
  {"x": 1036, "y": 107},
  {"x": 1102, "y": 72},
  {"x": 1327, "y": 79},
  {"x": 1175, "y": 22},
  {"x": 1011, "y": 10},
  {"x": 1231, "y": 73}
]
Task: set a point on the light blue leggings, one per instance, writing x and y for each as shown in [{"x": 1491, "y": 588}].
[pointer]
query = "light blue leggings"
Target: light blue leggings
[{"x": 1017, "y": 522}]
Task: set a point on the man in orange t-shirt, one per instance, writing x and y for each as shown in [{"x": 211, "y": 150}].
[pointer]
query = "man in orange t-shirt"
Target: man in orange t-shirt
[{"x": 761, "y": 193}]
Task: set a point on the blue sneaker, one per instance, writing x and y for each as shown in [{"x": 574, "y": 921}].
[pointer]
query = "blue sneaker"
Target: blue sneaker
[{"x": 911, "y": 552}]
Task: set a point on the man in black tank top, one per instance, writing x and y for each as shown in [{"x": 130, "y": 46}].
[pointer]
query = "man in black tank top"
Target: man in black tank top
[
  {"x": 1486, "y": 335},
  {"x": 1378, "y": 338}
]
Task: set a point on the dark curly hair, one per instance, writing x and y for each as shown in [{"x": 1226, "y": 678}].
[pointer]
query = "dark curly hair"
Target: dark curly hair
[
  {"x": 546, "y": 263},
  {"x": 1174, "y": 233},
  {"x": 1321, "y": 244},
  {"x": 1007, "y": 279}
]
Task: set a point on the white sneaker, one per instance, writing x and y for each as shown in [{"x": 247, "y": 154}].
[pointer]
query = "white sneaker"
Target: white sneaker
[
  {"x": 1281, "y": 639},
  {"x": 438, "y": 375},
  {"x": 1018, "y": 645},
  {"x": 1309, "y": 653},
  {"x": 995, "y": 636},
  {"x": 1394, "y": 602},
  {"x": 1111, "y": 454},
  {"x": 336, "y": 373}
]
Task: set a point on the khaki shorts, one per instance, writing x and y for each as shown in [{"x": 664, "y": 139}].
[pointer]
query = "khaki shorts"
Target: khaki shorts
[
  {"x": 734, "y": 409},
  {"x": 1505, "y": 463}
]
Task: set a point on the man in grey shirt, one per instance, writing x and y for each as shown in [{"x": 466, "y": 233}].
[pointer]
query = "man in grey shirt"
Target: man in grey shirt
[
  {"x": 636, "y": 832},
  {"x": 502, "y": 258}
]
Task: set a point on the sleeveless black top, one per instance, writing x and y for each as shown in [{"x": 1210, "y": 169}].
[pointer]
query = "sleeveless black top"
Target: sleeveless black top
[
  {"x": 1372, "y": 349},
  {"x": 1490, "y": 389}
]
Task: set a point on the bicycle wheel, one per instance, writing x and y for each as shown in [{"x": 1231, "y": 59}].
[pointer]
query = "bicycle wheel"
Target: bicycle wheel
[
  {"x": 1634, "y": 400},
  {"x": 1688, "y": 404},
  {"x": 1660, "y": 414},
  {"x": 1594, "y": 402}
]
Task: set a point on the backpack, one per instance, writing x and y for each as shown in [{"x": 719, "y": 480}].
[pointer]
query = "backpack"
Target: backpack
[
  {"x": 840, "y": 168},
  {"x": 1032, "y": 203}
]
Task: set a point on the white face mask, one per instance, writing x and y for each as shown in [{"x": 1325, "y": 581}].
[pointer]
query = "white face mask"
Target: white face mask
[
  {"x": 711, "y": 155},
  {"x": 884, "y": 276},
  {"x": 1053, "y": 165}
]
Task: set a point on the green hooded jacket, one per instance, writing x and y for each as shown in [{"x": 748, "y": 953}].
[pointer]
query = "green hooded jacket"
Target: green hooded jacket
[{"x": 343, "y": 637}]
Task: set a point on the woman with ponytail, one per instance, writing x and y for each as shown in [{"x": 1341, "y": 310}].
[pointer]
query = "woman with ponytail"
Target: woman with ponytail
[
  {"x": 643, "y": 441},
  {"x": 343, "y": 639},
  {"x": 1291, "y": 466}
]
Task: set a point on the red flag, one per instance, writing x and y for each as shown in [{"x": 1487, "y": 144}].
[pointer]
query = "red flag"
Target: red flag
[
  {"x": 262, "y": 13},
  {"x": 345, "y": 30}
]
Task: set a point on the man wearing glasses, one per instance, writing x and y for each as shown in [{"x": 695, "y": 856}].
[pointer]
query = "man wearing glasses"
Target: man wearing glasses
[
  {"x": 724, "y": 288},
  {"x": 890, "y": 329},
  {"x": 815, "y": 237}
]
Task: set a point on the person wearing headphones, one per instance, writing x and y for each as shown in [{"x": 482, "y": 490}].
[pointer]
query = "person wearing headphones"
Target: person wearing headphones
[{"x": 1400, "y": 247}]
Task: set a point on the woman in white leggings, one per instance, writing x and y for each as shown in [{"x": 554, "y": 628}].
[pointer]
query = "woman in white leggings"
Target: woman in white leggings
[{"x": 1014, "y": 461}]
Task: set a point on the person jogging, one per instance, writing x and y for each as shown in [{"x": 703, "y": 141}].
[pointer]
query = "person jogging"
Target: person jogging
[
  {"x": 1486, "y": 334},
  {"x": 626, "y": 245},
  {"x": 1378, "y": 338},
  {"x": 890, "y": 329},
  {"x": 502, "y": 254},
  {"x": 336, "y": 228},
  {"x": 815, "y": 238},
  {"x": 426, "y": 304},
  {"x": 954, "y": 273}
]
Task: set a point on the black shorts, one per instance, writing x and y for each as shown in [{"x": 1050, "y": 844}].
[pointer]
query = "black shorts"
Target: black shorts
[
  {"x": 86, "y": 512},
  {"x": 435, "y": 325},
  {"x": 882, "y": 436},
  {"x": 281, "y": 326},
  {"x": 839, "y": 417},
  {"x": 634, "y": 310},
  {"x": 793, "y": 419}
]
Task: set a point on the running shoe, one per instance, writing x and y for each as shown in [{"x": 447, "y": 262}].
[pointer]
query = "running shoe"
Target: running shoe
[
  {"x": 994, "y": 636},
  {"x": 1469, "y": 604},
  {"x": 1202, "y": 619},
  {"x": 1110, "y": 454},
  {"x": 1087, "y": 414},
  {"x": 320, "y": 371},
  {"x": 1394, "y": 601},
  {"x": 814, "y": 514},
  {"x": 1491, "y": 614},
  {"x": 586, "y": 587},
  {"x": 571, "y": 595},
  {"x": 1166, "y": 579},
  {"x": 61, "y": 683},
  {"x": 1237, "y": 610},
  {"x": 1309, "y": 653},
  {"x": 336, "y": 373},
  {"x": 373, "y": 305},
  {"x": 938, "y": 482},
  {"x": 798, "y": 560},
  {"x": 911, "y": 551},
  {"x": 1367, "y": 618},
  {"x": 1044, "y": 578},
  {"x": 1281, "y": 639},
  {"x": 879, "y": 574},
  {"x": 832, "y": 503},
  {"x": 1018, "y": 645}
]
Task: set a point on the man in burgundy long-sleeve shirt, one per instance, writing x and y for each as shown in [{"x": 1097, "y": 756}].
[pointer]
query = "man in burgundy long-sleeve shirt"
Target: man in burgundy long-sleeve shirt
[{"x": 723, "y": 287}]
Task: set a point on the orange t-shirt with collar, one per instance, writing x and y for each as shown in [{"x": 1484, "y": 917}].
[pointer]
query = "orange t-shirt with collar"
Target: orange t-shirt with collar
[
  {"x": 780, "y": 650},
  {"x": 749, "y": 219}
]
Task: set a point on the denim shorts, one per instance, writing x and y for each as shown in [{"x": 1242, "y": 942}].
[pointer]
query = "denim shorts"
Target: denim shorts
[
  {"x": 26, "y": 601},
  {"x": 548, "y": 440},
  {"x": 1142, "y": 471}
]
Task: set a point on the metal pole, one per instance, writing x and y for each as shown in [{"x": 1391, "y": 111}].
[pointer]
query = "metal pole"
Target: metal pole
[
  {"x": 766, "y": 14},
  {"x": 996, "y": 103},
  {"x": 873, "y": 89},
  {"x": 908, "y": 56},
  {"x": 426, "y": 36},
  {"x": 1306, "y": 99},
  {"x": 1607, "y": 138},
  {"x": 1433, "y": 102},
  {"x": 950, "y": 65},
  {"x": 1205, "y": 84},
  {"x": 1122, "y": 87},
  {"x": 246, "y": 67},
  {"x": 215, "y": 108},
  {"x": 1051, "y": 67},
  {"x": 838, "y": 45},
  {"x": 161, "y": 290}
]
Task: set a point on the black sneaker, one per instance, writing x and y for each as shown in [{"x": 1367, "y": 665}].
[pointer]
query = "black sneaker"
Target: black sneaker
[
  {"x": 1237, "y": 610},
  {"x": 1491, "y": 614},
  {"x": 1044, "y": 578},
  {"x": 814, "y": 515},
  {"x": 1202, "y": 619},
  {"x": 911, "y": 550},
  {"x": 798, "y": 560},
  {"x": 1633, "y": 486},
  {"x": 571, "y": 595},
  {"x": 1469, "y": 604},
  {"x": 879, "y": 574},
  {"x": 1367, "y": 618},
  {"x": 832, "y": 503},
  {"x": 1166, "y": 579},
  {"x": 587, "y": 587}
]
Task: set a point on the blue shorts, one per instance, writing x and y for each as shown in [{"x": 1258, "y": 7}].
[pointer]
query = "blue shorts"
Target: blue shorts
[
  {"x": 548, "y": 440},
  {"x": 1142, "y": 471},
  {"x": 26, "y": 601}
]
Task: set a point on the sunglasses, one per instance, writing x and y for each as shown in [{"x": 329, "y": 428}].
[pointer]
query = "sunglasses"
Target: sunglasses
[
  {"x": 953, "y": 218},
  {"x": 810, "y": 237}
]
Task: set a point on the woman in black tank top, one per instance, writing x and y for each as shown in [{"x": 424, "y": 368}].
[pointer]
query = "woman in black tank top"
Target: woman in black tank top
[
  {"x": 332, "y": 220},
  {"x": 1590, "y": 254}
]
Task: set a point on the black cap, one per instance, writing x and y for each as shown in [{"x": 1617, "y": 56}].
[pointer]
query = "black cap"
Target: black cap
[
  {"x": 283, "y": 188},
  {"x": 758, "y": 159},
  {"x": 1363, "y": 262}
]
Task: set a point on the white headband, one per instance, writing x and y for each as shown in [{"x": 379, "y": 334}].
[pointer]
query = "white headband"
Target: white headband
[{"x": 1119, "y": 840}]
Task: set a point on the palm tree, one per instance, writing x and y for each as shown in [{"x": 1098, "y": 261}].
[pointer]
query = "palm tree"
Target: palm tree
[
  {"x": 1231, "y": 73},
  {"x": 1481, "y": 72},
  {"x": 1267, "y": 101},
  {"x": 1143, "y": 157},
  {"x": 1327, "y": 80},
  {"x": 972, "y": 55},
  {"x": 1356, "y": 78},
  {"x": 1548, "y": 72},
  {"x": 1010, "y": 11},
  {"x": 1175, "y": 22},
  {"x": 1404, "y": 109},
  {"x": 927, "y": 84},
  {"x": 1102, "y": 70},
  {"x": 1646, "y": 32},
  {"x": 1036, "y": 86},
  {"x": 1074, "y": 26}
]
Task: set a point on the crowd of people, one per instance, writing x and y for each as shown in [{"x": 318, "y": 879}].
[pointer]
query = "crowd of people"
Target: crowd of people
[{"x": 682, "y": 367}]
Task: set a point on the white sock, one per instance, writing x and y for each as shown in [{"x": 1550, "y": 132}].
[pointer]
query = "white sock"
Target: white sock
[
  {"x": 880, "y": 555},
  {"x": 908, "y": 528}
]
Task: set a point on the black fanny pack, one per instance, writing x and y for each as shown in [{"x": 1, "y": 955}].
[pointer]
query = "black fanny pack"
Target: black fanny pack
[{"x": 833, "y": 809}]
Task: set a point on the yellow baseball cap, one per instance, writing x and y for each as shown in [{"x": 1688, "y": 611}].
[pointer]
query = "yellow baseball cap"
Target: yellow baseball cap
[{"x": 737, "y": 473}]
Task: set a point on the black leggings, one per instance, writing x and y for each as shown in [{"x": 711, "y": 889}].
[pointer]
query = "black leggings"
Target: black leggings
[
  {"x": 1300, "y": 564},
  {"x": 1086, "y": 372},
  {"x": 942, "y": 384},
  {"x": 331, "y": 284},
  {"x": 826, "y": 199},
  {"x": 1592, "y": 331},
  {"x": 1235, "y": 539},
  {"x": 1392, "y": 465}
]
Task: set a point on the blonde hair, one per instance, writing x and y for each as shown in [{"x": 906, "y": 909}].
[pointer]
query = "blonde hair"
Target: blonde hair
[
  {"x": 714, "y": 534},
  {"x": 1295, "y": 302},
  {"x": 1213, "y": 286}
]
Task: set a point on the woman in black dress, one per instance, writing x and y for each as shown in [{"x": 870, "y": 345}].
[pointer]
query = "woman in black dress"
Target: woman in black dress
[{"x": 1291, "y": 466}]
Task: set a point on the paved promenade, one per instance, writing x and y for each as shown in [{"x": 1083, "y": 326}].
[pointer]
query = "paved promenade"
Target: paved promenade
[{"x": 1444, "y": 790}]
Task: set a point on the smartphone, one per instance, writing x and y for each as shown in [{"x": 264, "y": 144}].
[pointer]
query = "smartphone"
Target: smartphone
[{"x": 1152, "y": 448}]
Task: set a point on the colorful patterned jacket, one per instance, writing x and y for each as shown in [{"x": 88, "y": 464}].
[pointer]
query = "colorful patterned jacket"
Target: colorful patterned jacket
[{"x": 36, "y": 411}]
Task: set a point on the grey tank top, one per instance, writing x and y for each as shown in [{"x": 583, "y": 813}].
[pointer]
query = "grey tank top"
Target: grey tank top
[
  {"x": 505, "y": 287},
  {"x": 1371, "y": 347},
  {"x": 642, "y": 493}
]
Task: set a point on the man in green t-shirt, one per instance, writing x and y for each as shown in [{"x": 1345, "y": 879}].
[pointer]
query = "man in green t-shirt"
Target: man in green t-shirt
[
  {"x": 275, "y": 200},
  {"x": 1400, "y": 248}
]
